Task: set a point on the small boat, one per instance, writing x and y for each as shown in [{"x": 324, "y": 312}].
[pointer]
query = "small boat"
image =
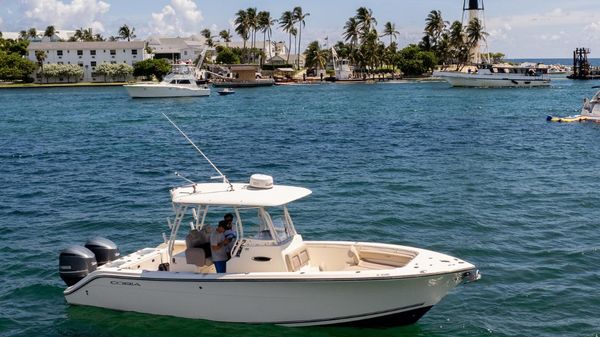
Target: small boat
[
  {"x": 181, "y": 82},
  {"x": 226, "y": 91},
  {"x": 590, "y": 112},
  {"x": 272, "y": 276}
]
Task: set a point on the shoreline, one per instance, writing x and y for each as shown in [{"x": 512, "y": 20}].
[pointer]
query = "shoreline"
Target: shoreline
[{"x": 60, "y": 85}]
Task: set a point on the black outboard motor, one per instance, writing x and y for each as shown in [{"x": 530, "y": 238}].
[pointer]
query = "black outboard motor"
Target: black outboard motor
[
  {"x": 75, "y": 263},
  {"x": 104, "y": 249}
]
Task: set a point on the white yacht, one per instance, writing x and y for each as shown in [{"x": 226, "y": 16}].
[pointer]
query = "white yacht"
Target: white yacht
[
  {"x": 272, "y": 276},
  {"x": 491, "y": 76},
  {"x": 486, "y": 75},
  {"x": 181, "y": 82}
]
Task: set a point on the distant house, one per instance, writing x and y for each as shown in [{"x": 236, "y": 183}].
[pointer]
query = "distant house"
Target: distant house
[
  {"x": 88, "y": 55},
  {"x": 177, "y": 48},
  {"x": 277, "y": 60}
]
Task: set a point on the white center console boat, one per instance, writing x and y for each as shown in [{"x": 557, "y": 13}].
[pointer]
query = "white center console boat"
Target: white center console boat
[{"x": 272, "y": 275}]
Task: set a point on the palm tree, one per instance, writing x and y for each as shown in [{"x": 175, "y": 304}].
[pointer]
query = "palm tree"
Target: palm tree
[
  {"x": 98, "y": 37},
  {"x": 294, "y": 33},
  {"x": 242, "y": 28},
  {"x": 127, "y": 33},
  {"x": 226, "y": 36},
  {"x": 475, "y": 34},
  {"x": 299, "y": 17},
  {"x": 50, "y": 31},
  {"x": 265, "y": 22},
  {"x": 366, "y": 21},
  {"x": 351, "y": 32},
  {"x": 320, "y": 58},
  {"x": 23, "y": 35},
  {"x": 252, "y": 18},
  {"x": 32, "y": 33},
  {"x": 40, "y": 56},
  {"x": 207, "y": 34},
  {"x": 286, "y": 22},
  {"x": 389, "y": 29},
  {"x": 435, "y": 26}
]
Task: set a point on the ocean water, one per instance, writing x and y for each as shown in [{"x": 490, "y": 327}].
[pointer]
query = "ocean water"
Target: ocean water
[{"x": 476, "y": 173}]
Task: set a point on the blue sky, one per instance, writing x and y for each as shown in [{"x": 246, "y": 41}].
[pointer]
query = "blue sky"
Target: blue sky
[{"x": 525, "y": 28}]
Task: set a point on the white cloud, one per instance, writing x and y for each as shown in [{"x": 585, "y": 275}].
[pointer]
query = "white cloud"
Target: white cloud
[
  {"x": 77, "y": 13},
  {"x": 180, "y": 17}
]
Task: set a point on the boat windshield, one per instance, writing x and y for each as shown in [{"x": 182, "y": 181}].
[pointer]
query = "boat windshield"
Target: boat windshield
[{"x": 260, "y": 224}]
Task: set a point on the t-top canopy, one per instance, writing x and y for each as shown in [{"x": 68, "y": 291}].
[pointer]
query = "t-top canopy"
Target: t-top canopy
[{"x": 243, "y": 195}]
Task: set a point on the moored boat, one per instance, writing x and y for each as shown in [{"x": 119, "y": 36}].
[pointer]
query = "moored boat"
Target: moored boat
[
  {"x": 490, "y": 76},
  {"x": 181, "y": 82}
]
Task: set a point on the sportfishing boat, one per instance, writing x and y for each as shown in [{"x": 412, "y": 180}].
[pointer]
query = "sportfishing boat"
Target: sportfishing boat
[
  {"x": 491, "y": 76},
  {"x": 181, "y": 82},
  {"x": 590, "y": 112},
  {"x": 272, "y": 275}
]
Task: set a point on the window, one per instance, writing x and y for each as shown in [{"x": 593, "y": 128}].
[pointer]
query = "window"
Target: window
[
  {"x": 134, "y": 52},
  {"x": 59, "y": 52},
  {"x": 93, "y": 52},
  {"x": 80, "y": 53},
  {"x": 185, "y": 52},
  {"x": 113, "y": 62},
  {"x": 80, "y": 64},
  {"x": 113, "y": 52},
  {"x": 93, "y": 63}
]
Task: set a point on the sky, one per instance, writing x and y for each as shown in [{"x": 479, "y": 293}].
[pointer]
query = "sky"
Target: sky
[{"x": 517, "y": 28}]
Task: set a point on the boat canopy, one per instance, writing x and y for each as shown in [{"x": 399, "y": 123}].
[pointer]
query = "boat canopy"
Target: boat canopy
[{"x": 237, "y": 195}]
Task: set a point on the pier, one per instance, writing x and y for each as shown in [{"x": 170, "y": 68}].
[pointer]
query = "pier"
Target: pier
[{"x": 582, "y": 70}]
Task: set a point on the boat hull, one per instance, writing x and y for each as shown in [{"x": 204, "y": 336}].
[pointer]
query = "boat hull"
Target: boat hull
[
  {"x": 290, "y": 301},
  {"x": 158, "y": 91},
  {"x": 458, "y": 79}
]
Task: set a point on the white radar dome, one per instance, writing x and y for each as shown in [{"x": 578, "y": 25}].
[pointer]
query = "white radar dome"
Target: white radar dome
[{"x": 262, "y": 181}]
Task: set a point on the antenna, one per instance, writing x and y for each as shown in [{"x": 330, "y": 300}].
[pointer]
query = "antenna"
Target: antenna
[{"x": 221, "y": 175}]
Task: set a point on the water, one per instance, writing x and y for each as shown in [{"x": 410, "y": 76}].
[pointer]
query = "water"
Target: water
[{"x": 477, "y": 173}]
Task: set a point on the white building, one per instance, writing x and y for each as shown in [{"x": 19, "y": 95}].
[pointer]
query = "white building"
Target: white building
[
  {"x": 88, "y": 55},
  {"x": 177, "y": 48}
]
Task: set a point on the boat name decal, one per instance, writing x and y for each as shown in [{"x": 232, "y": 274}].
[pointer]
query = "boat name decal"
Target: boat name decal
[{"x": 125, "y": 283}]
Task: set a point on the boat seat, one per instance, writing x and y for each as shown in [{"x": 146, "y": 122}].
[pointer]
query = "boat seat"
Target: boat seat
[
  {"x": 298, "y": 260},
  {"x": 197, "y": 244}
]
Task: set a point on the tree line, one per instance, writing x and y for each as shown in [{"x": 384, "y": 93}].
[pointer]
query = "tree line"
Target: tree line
[{"x": 82, "y": 34}]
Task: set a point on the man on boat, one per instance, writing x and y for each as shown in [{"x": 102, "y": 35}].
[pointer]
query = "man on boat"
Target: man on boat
[{"x": 218, "y": 244}]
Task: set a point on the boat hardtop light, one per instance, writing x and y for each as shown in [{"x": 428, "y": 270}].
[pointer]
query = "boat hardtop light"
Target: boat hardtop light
[{"x": 260, "y": 192}]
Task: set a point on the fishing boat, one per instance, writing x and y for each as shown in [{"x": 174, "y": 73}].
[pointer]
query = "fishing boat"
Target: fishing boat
[
  {"x": 492, "y": 76},
  {"x": 272, "y": 275},
  {"x": 590, "y": 112},
  {"x": 226, "y": 91},
  {"x": 486, "y": 75},
  {"x": 180, "y": 82}
]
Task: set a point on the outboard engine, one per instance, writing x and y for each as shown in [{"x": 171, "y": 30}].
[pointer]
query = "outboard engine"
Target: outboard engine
[
  {"x": 75, "y": 263},
  {"x": 104, "y": 249}
]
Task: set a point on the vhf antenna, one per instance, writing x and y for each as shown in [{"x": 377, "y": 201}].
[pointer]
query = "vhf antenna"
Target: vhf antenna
[{"x": 221, "y": 175}]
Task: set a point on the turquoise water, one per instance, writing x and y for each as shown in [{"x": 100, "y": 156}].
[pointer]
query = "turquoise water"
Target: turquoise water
[{"x": 477, "y": 173}]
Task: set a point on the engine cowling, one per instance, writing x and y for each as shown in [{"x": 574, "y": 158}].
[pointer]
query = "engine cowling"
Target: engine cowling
[{"x": 75, "y": 263}]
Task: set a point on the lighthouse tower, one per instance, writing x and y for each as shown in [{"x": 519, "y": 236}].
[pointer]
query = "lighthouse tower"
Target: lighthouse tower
[{"x": 474, "y": 9}]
